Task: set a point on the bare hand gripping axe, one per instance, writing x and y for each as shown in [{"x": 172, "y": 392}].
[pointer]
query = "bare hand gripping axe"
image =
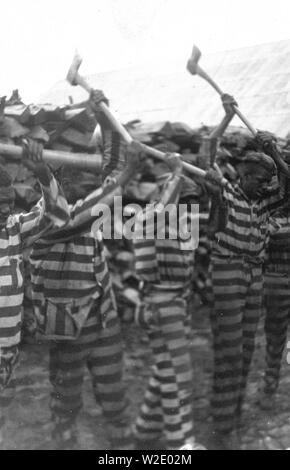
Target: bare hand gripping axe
[
  {"x": 194, "y": 68},
  {"x": 74, "y": 78}
]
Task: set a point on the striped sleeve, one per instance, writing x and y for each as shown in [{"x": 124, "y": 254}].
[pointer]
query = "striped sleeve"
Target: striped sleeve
[
  {"x": 86, "y": 210},
  {"x": 279, "y": 194},
  {"x": 52, "y": 211}
]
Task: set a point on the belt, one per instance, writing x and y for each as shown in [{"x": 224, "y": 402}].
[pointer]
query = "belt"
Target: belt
[
  {"x": 244, "y": 258},
  {"x": 277, "y": 269},
  {"x": 147, "y": 287}
]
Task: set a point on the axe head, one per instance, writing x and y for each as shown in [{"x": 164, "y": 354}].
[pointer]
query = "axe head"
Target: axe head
[
  {"x": 192, "y": 64},
  {"x": 73, "y": 70}
]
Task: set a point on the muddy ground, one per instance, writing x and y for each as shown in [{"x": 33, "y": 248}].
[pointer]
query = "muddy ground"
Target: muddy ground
[{"x": 29, "y": 417}]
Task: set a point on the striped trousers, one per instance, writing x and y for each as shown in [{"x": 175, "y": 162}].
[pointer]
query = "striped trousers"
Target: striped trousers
[
  {"x": 167, "y": 407},
  {"x": 237, "y": 304},
  {"x": 277, "y": 302},
  {"x": 8, "y": 362},
  {"x": 101, "y": 351}
]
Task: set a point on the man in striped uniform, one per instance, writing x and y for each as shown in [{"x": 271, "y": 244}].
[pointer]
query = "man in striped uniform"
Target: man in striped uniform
[
  {"x": 19, "y": 231},
  {"x": 164, "y": 264},
  {"x": 236, "y": 275},
  {"x": 75, "y": 308},
  {"x": 277, "y": 303}
]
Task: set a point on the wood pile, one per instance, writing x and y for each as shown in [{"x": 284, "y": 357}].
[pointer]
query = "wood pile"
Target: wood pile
[{"x": 70, "y": 128}]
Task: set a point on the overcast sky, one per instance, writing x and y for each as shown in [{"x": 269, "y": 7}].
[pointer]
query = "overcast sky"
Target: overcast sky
[{"x": 38, "y": 37}]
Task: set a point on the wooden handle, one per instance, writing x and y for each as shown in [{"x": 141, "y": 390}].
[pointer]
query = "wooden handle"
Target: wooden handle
[
  {"x": 116, "y": 124},
  {"x": 127, "y": 137},
  {"x": 79, "y": 80},
  {"x": 206, "y": 77},
  {"x": 78, "y": 160},
  {"x": 245, "y": 121}
]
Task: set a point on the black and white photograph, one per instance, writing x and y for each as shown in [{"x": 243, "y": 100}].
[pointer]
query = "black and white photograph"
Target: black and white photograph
[{"x": 145, "y": 227}]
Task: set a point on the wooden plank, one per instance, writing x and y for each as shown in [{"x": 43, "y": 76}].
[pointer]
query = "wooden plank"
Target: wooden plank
[
  {"x": 77, "y": 139},
  {"x": 13, "y": 129},
  {"x": 80, "y": 120},
  {"x": 37, "y": 115},
  {"x": 20, "y": 112},
  {"x": 38, "y": 133},
  {"x": 52, "y": 112},
  {"x": 62, "y": 147}
]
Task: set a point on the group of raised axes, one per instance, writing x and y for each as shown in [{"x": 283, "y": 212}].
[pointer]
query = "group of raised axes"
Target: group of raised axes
[{"x": 94, "y": 162}]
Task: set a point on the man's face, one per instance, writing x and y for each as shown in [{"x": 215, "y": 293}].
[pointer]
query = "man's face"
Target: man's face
[
  {"x": 254, "y": 181},
  {"x": 7, "y": 202}
]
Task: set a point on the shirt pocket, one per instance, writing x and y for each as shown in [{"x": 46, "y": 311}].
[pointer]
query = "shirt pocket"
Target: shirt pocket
[{"x": 11, "y": 277}]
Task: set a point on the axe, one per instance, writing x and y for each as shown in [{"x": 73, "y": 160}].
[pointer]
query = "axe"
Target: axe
[
  {"x": 79, "y": 160},
  {"x": 74, "y": 78},
  {"x": 194, "y": 69}
]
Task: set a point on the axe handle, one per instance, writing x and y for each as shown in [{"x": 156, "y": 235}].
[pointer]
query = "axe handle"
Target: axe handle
[
  {"x": 192, "y": 169},
  {"x": 245, "y": 121},
  {"x": 78, "y": 160},
  {"x": 127, "y": 137},
  {"x": 116, "y": 124},
  {"x": 81, "y": 81},
  {"x": 149, "y": 150},
  {"x": 206, "y": 77}
]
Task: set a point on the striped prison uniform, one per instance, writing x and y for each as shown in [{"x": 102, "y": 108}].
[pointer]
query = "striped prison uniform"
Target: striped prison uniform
[
  {"x": 236, "y": 290},
  {"x": 277, "y": 301},
  {"x": 20, "y": 232},
  {"x": 165, "y": 267},
  {"x": 74, "y": 305}
]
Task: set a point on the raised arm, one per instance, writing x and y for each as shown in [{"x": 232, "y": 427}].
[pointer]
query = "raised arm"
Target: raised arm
[
  {"x": 219, "y": 196},
  {"x": 279, "y": 194},
  {"x": 52, "y": 211},
  {"x": 111, "y": 140},
  {"x": 209, "y": 144},
  {"x": 267, "y": 142},
  {"x": 84, "y": 212}
]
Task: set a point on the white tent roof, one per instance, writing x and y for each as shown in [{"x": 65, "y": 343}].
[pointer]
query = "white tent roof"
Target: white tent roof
[{"x": 258, "y": 77}]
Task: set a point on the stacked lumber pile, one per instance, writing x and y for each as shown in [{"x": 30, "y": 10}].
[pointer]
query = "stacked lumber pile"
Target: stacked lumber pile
[
  {"x": 70, "y": 128},
  {"x": 64, "y": 128}
]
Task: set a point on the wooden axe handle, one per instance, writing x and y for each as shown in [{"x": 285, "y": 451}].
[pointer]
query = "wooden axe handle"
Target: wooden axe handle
[
  {"x": 127, "y": 137},
  {"x": 78, "y": 160},
  {"x": 245, "y": 121},
  {"x": 114, "y": 121},
  {"x": 206, "y": 77},
  {"x": 149, "y": 150}
]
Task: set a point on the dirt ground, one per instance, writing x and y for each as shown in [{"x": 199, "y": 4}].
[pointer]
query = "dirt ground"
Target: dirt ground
[{"x": 29, "y": 418}]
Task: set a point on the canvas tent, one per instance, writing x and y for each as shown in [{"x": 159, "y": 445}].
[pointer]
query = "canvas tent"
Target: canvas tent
[{"x": 258, "y": 76}]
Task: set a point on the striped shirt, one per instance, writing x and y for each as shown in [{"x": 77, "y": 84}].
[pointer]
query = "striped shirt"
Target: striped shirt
[
  {"x": 278, "y": 253},
  {"x": 21, "y": 231},
  {"x": 158, "y": 260},
  {"x": 69, "y": 266},
  {"x": 248, "y": 226}
]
